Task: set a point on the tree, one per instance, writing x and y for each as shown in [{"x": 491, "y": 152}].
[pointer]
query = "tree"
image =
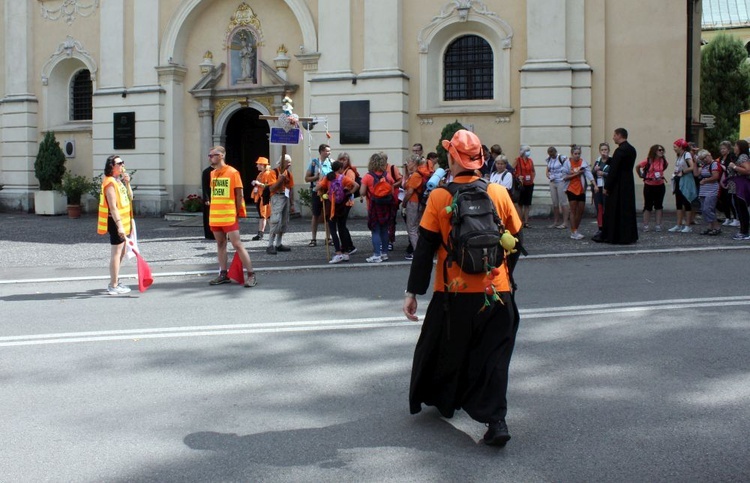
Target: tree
[
  {"x": 448, "y": 131},
  {"x": 49, "y": 166},
  {"x": 725, "y": 88}
]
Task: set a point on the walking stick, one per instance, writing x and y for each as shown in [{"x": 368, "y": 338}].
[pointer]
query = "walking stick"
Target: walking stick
[{"x": 325, "y": 222}]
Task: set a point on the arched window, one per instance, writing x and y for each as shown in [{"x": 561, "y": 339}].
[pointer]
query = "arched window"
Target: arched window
[
  {"x": 80, "y": 96},
  {"x": 468, "y": 69}
]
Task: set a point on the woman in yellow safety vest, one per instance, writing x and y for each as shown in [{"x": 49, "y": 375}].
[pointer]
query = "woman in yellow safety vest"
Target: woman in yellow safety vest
[{"x": 115, "y": 217}]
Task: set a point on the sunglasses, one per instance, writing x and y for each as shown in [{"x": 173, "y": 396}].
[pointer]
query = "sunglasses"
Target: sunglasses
[
  {"x": 213, "y": 155},
  {"x": 119, "y": 163}
]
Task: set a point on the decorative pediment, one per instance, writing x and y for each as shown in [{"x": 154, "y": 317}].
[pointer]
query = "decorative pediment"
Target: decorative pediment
[
  {"x": 68, "y": 10},
  {"x": 211, "y": 79}
]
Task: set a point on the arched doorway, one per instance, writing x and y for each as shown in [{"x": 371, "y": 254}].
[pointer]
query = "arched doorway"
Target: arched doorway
[{"x": 246, "y": 140}]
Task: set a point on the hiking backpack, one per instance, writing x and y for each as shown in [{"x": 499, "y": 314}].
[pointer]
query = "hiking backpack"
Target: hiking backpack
[
  {"x": 382, "y": 190},
  {"x": 474, "y": 238},
  {"x": 337, "y": 190}
]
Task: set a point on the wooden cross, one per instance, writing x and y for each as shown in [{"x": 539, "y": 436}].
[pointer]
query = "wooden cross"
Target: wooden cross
[{"x": 276, "y": 118}]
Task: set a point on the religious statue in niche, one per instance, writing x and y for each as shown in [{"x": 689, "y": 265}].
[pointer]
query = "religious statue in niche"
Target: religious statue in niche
[{"x": 244, "y": 57}]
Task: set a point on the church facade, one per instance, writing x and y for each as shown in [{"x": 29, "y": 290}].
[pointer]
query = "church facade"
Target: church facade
[{"x": 161, "y": 81}]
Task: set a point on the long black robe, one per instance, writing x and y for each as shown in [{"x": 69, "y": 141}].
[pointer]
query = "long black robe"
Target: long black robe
[
  {"x": 620, "y": 224},
  {"x": 206, "y": 189}
]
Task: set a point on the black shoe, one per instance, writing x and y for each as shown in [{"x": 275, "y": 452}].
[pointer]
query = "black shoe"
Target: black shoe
[
  {"x": 598, "y": 238},
  {"x": 257, "y": 237},
  {"x": 283, "y": 248},
  {"x": 271, "y": 250},
  {"x": 497, "y": 434}
]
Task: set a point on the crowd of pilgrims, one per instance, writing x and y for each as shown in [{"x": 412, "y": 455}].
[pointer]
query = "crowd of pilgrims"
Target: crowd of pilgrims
[{"x": 716, "y": 188}]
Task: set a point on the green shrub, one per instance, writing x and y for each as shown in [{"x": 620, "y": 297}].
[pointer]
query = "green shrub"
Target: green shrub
[{"x": 49, "y": 166}]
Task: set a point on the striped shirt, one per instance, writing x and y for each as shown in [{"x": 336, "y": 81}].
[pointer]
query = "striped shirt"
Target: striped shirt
[{"x": 710, "y": 188}]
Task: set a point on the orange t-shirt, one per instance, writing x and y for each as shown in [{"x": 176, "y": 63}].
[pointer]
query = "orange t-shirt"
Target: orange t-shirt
[
  {"x": 575, "y": 185},
  {"x": 267, "y": 177},
  {"x": 288, "y": 182},
  {"x": 437, "y": 220},
  {"x": 415, "y": 183}
]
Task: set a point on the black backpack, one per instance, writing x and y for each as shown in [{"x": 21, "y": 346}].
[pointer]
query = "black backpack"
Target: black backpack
[{"x": 474, "y": 239}]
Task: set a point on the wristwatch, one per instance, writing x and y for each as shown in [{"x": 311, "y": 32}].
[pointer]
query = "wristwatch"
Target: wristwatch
[{"x": 409, "y": 294}]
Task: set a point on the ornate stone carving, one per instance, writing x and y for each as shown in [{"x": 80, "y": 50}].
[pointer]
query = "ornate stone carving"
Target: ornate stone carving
[
  {"x": 461, "y": 9},
  {"x": 244, "y": 17},
  {"x": 70, "y": 47},
  {"x": 68, "y": 10},
  {"x": 265, "y": 101},
  {"x": 222, "y": 104}
]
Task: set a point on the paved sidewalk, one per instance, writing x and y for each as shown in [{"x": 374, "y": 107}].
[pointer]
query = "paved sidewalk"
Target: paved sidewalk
[{"x": 33, "y": 246}]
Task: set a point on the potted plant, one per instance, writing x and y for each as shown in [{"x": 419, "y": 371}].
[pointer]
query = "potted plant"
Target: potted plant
[
  {"x": 49, "y": 168},
  {"x": 73, "y": 187}
]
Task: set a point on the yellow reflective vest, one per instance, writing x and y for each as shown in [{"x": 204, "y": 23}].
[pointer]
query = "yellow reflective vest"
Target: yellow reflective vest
[
  {"x": 223, "y": 210},
  {"x": 123, "y": 205}
]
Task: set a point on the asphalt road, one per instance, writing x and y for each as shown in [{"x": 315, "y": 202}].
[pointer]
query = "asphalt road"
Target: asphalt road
[{"x": 627, "y": 368}]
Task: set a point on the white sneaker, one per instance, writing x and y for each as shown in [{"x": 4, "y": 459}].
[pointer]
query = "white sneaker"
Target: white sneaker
[
  {"x": 346, "y": 256},
  {"x": 374, "y": 259},
  {"x": 337, "y": 259},
  {"x": 687, "y": 229},
  {"x": 657, "y": 228},
  {"x": 645, "y": 228},
  {"x": 675, "y": 229},
  {"x": 579, "y": 236},
  {"x": 735, "y": 222},
  {"x": 118, "y": 289},
  {"x": 727, "y": 222},
  {"x": 384, "y": 257}
]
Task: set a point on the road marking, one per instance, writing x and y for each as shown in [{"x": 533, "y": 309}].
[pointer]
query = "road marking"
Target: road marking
[
  {"x": 341, "y": 266},
  {"x": 348, "y": 324}
]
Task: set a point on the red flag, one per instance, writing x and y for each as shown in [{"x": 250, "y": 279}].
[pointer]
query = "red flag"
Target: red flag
[
  {"x": 145, "y": 279},
  {"x": 235, "y": 270}
]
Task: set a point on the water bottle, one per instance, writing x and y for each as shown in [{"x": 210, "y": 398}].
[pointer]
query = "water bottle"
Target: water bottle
[{"x": 434, "y": 180}]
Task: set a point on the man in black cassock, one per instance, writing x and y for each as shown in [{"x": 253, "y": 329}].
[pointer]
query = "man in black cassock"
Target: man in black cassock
[
  {"x": 206, "y": 194},
  {"x": 620, "y": 224}
]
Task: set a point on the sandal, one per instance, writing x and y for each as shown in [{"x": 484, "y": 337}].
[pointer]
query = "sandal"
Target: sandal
[
  {"x": 313, "y": 243},
  {"x": 251, "y": 280}
]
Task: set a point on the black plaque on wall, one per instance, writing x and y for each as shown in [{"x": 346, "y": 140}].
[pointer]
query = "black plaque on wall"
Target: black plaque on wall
[
  {"x": 355, "y": 122},
  {"x": 123, "y": 124}
]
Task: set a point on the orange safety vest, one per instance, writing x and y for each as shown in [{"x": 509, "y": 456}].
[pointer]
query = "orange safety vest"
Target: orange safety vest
[
  {"x": 223, "y": 211},
  {"x": 123, "y": 205}
]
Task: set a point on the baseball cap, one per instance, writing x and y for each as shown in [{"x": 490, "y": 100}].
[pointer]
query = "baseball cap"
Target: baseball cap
[{"x": 466, "y": 148}]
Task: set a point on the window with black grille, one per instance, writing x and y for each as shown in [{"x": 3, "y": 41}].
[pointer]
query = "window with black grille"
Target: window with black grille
[
  {"x": 80, "y": 96},
  {"x": 468, "y": 69}
]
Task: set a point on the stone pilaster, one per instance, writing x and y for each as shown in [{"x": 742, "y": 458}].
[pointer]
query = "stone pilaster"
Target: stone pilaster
[
  {"x": 18, "y": 109},
  {"x": 334, "y": 37},
  {"x": 555, "y": 85},
  {"x": 112, "y": 45}
]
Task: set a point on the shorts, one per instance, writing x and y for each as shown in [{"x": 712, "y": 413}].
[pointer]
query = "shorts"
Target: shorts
[
  {"x": 114, "y": 237},
  {"x": 228, "y": 228},
  {"x": 574, "y": 197},
  {"x": 653, "y": 197},
  {"x": 527, "y": 193},
  {"x": 557, "y": 193},
  {"x": 316, "y": 205}
]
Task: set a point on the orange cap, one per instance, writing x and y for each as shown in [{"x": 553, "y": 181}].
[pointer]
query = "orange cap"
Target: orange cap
[
  {"x": 466, "y": 148},
  {"x": 262, "y": 160}
]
